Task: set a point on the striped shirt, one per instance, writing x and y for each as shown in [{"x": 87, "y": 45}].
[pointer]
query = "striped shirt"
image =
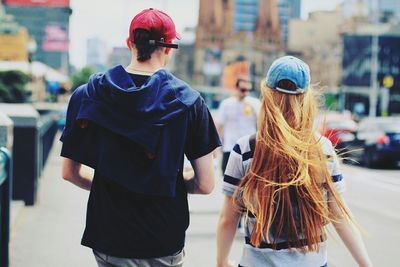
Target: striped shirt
[{"x": 238, "y": 165}]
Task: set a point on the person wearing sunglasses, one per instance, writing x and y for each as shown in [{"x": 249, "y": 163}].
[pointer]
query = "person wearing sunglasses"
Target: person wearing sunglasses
[{"x": 237, "y": 117}]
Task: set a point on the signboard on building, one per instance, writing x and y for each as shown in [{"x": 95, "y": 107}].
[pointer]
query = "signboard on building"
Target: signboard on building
[
  {"x": 41, "y": 3},
  {"x": 389, "y": 61},
  {"x": 13, "y": 47},
  {"x": 357, "y": 60},
  {"x": 55, "y": 38},
  {"x": 233, "y": 71}
]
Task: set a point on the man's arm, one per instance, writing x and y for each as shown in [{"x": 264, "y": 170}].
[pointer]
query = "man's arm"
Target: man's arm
[
  {"x": 78, "y": 174},
  {"x": 220, "y": 120},
  {"x": 203, "y": 180},
  {"x": 350, "y": 236},
  {"x": 220, "y": 129}
]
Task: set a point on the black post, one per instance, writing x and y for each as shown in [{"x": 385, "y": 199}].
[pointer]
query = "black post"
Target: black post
[{"x": 5, "y": 197}]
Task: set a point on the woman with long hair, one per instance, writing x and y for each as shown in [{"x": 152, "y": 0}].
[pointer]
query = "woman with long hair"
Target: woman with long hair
[{"x": 286, "y": 182}]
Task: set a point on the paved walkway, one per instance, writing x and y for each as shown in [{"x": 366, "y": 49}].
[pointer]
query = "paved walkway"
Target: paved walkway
[{"x": 48, "y": 234}]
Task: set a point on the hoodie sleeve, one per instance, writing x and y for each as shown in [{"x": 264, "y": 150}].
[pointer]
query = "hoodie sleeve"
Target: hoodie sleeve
[
  {"x": 202, "y": 136},
  {"x": 72, "y": 110},
  {"x": 78, "y": 138}
]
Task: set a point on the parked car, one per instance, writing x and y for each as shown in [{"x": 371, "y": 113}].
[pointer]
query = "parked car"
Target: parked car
[
  {"x": 377, "y": 141},
  {"x": 338, "y": 128}
]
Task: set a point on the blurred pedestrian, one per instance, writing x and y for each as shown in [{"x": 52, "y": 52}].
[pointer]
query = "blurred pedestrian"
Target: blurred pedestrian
[
  {"x": 286, "y": 181},
  {"x": 237, "y": 117},
  {"x": 133, "y": 125}
]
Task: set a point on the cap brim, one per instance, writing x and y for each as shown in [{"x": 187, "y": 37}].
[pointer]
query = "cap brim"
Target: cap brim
[{"x": 298, "y": 91}]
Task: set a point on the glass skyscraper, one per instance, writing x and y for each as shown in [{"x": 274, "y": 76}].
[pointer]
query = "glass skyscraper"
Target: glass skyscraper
[
  {"x": 245, "y": 15},
  {"x": 288, "y": 9}
]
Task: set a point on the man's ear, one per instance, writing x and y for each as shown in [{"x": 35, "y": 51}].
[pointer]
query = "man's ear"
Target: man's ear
[{"x": 129, "y": 43}]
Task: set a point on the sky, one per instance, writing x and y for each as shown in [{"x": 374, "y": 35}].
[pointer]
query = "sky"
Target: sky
[{"x": 109, "y": 20}]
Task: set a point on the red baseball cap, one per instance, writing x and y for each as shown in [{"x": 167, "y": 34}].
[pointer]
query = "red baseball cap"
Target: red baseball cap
[{"x": 157, "y": 22}]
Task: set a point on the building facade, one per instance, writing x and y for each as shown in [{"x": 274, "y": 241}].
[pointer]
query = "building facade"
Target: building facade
[
  {"x": 385, "y": 11},
  {"x": 182, "y": 61},
  {"x": 96, "y": 54},
  {"x": 318, "y": 41},
  {"x": 288, "y": 9},
  {"x": 120, "y": 56},
  {"x": 48, "y": 23},
  {"x": 235, "y": 30}
]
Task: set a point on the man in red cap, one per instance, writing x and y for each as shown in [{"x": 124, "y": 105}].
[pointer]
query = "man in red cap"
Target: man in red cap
[{"x": 133, "y": 125}]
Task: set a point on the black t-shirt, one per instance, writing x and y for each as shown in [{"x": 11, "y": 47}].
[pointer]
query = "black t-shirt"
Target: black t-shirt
[{"x": 125, "y": 224}]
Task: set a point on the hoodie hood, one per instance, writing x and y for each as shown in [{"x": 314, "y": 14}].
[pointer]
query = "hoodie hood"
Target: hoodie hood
[
  {"x": 134, "y": 136},
  {"x": 114, "y": 102}
]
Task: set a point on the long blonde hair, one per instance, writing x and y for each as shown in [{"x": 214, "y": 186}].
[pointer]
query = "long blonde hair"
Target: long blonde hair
[{"x": 286, "y": 186}]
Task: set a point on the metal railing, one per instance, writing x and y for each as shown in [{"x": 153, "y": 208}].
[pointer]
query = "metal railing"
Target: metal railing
[{"x": 31, "y": 148}]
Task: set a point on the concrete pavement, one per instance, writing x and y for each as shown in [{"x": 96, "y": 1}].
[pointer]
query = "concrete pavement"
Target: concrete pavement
[{"x": 373, "y": 196}]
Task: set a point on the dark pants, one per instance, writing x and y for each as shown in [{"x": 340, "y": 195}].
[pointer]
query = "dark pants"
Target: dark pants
[
  {"x": 104, "y": 260},
  {"x": 225, "y": 157}
]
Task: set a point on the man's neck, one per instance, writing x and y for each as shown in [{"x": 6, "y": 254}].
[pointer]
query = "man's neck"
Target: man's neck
[
  {"x": 151, "y": 65},
  {"x": 143, "y": 67}
]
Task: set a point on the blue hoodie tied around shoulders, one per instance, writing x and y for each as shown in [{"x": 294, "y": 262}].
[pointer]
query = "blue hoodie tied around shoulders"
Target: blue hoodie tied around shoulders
[{"x": 133, "y": 136}]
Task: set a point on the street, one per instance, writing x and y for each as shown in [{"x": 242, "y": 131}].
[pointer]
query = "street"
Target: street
[
  {"x": 48, "y": 234},
  {"x": 373, "y": 196}
]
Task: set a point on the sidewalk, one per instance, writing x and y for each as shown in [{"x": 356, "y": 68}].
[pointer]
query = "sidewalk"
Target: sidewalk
[{"x": 48, "y": 234}]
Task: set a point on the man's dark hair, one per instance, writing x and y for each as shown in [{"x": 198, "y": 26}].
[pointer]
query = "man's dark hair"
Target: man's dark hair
[
  {"x": 238, "y": 81},
  {"x": 144, "y": 49}
]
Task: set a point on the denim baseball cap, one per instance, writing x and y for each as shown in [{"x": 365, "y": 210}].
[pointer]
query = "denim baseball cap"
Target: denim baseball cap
[{"x": 292, "y": 69}]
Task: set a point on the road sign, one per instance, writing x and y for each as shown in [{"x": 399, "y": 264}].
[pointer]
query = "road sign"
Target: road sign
[{"x": 388, "y": 81}]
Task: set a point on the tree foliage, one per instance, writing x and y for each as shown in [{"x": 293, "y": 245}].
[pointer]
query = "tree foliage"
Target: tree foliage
[
  {"x": 12, "y": 86},
  {"x": 81, "y": 77}
]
